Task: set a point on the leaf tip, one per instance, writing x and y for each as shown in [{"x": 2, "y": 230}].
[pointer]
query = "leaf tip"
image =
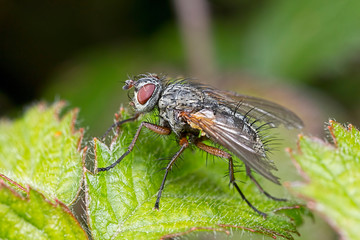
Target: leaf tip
[{"x": 330, "y": 128}]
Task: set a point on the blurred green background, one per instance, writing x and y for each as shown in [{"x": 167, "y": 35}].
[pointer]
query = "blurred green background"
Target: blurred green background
[{"x": 304, "y": 55}]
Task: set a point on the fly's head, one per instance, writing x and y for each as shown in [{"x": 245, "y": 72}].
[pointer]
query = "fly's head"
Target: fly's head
[{"x": 147, "y": 90}]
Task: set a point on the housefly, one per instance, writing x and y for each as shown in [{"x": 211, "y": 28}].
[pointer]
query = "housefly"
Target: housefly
[{"x": 196, "y": 112}]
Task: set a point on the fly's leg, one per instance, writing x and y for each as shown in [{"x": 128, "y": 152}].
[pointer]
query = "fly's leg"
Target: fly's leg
[
  {"x": 249, "y": 173},
  {"x": 184, "y": 144},
  {"x": 153, "y": 127},
  {"x": 220, "y": 153},
  {"x": 118, "y": 124}
]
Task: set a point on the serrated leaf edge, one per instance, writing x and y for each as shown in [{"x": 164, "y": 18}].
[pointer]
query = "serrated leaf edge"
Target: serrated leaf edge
[
  {"x": 310, "y": 202},
  {"x": 54, "y": 203}
]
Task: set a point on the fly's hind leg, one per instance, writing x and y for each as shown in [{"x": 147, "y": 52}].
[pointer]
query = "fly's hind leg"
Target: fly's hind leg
[
  {"x": 249, "y": 173},
  {"x": 220, "y": 153}
]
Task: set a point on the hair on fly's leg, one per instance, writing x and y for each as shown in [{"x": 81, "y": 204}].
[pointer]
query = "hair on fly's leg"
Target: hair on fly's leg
[
  {"x": 253, "y": 179},
  {"x": 184, "y": 144},
  {"x": 223, "y": 154}
]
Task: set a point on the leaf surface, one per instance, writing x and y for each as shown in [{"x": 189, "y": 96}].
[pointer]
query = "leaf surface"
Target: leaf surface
[
  {"x": 332, "y": 176},
  {"x": 43, "y": 151},
  {"x": 35, "y": 217},
  {"x": 196, "y": 197}
]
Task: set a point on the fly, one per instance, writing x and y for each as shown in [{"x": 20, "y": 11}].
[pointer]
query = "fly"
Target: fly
[{"x": 196, "y": 113}]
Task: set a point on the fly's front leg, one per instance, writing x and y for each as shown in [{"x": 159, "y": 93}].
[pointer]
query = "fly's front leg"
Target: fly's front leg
[
  {"x": 119, "y": 123},
  {"x": 153, "y": 127},
  {"x": 220, "y": 153},
  {"x": 249, "y": 173},
  {"x": 184, "y": 144}
]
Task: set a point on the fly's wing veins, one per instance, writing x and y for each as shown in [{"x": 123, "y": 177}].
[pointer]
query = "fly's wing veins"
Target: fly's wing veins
[
  {"x": 257, "y": 108},
  {"x": 220, "y": 129}
]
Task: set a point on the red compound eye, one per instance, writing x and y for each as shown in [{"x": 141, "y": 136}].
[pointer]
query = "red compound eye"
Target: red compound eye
[{"x": 145, "y": 93}]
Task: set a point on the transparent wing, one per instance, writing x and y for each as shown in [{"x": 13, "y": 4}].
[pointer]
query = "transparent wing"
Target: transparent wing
[
  {"x": 231, "y": 133},
  {"x": 256, "y": 108}
]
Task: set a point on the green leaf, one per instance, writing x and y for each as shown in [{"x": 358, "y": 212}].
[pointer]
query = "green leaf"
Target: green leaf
[
  {"x": 196, "y": 197},
  {"x": 43, "y": 151},
  {"x": 35, "y": 217},
  {"x": 332, "y": 176}
]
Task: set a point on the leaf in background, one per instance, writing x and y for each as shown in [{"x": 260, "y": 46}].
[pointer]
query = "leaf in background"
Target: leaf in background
[
  {"x": 35, "y": 217},
  {"x": 295, "y": 39},
  {"x": 196, "y": 197},
  {"x": 43, "y": 151},
  {"x": 332, "y": 174}
]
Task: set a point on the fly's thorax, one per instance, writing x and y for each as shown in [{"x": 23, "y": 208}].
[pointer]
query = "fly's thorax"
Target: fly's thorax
[
  {"x": 147, "y": 93},
  {"x": 183, "y": 97},
  {"x": 177, "y": 98}
]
